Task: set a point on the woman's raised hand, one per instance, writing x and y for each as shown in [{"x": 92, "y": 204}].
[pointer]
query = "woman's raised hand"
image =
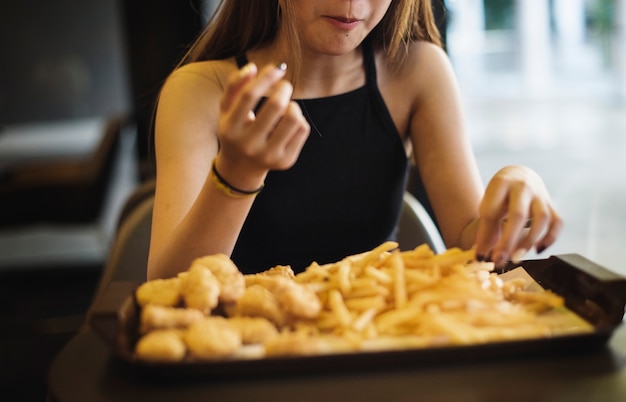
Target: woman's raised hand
[
  {"x": 516, "y": 214},
  {"x": 254, "y": 141}
]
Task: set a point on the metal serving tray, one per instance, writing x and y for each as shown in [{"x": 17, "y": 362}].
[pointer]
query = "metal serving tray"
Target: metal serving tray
[{"x": 591, "y": 291}]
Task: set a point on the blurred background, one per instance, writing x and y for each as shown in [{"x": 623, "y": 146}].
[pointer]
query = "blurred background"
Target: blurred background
[{"x": 543, "y": 82}]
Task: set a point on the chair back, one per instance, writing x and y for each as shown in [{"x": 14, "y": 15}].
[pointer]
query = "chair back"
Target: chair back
[
  {"x": 128, "y": 256},
  {"x": 417, "y": 227}
]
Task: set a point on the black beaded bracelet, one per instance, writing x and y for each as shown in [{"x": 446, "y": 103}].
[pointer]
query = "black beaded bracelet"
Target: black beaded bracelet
[{"x": 229, "y": 189}]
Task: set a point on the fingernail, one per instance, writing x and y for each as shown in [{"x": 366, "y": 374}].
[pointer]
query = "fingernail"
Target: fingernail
[
  {"x": 281, "y": 66},
  {"x": 245, "y": 70},
  {"x": 501, "y": 259},
  {"x": 518, "y": 255},
  {"x": 487, "y": 258},
  {"x": 484, "y": 258}
]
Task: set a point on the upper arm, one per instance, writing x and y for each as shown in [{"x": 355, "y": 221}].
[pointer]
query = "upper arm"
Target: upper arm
[
  {"x": 442, "y": 150},
  {"x": 185, "y": 144}
]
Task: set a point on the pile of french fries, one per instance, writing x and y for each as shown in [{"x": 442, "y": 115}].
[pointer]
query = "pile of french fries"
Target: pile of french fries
[
  {"x": 383, "y": 299},
  {"x": 386, "y": 298}
]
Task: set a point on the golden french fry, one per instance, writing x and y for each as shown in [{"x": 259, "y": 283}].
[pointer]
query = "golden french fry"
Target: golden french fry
[
  {"x": 378, "y": 275},
  {"x": 363, "y": 320},
  {"x": 343, "y": 277},
  {"x": 454, "y": 256},
  {"x": 313, "y": 273},
  {"x": 371, "y": 256},
  {"x": 387, "y": 321},
  {"x": 399, "y": 286},
  {"x": 365, "y": 303},
  {"x": 374, "y": 290},
  {"x": 338, "y": 307}
]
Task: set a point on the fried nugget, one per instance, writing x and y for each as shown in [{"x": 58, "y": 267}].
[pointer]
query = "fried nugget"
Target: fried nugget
[
  {"x": 163, "y": 317},
  {"x": 254, "y": 329},
  {"x": 232, "y": 282},
  {"x": 296, "y": 299},
  {"x": 164, "y": 345},
  {"x": 281, "y": 270},
  {"x": 163, "y": 292},
  {"x": 200, "y": 289},
  {"x": 212, "y": 338},
  {"x": 257, "y": 301}
]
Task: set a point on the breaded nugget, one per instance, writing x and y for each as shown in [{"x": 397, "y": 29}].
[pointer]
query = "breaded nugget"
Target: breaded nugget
[
  {"x": 232, "y": 283},
  {"x": 296, "y": 299},
  {"x": 254, "y": 329},
  {"x": 162, "y": 317},
  {"x": 280, "y": 270},
  {"x": 257, "y": 301},
  {"x": 212, "y": 338},
  {"x": 200, "y": 289},
  {"x": 164, "y": 345},
  {"x": 163, "y": 292}
]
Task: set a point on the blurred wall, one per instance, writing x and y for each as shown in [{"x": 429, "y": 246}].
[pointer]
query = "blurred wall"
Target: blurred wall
[
  {"x": 157, "y": 34},
  {"x": 61, "y": 59}
]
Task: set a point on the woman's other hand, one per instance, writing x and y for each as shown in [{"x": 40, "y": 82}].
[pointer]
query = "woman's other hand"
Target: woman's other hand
[{"x": 516, "y": 214}]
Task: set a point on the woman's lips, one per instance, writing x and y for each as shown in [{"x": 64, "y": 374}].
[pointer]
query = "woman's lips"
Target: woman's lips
[{"x": 343, "y": 23}]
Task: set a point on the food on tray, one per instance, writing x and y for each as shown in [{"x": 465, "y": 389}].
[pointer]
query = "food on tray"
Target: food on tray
[
  {"x": 257, "y": 301},
  {"x": 162, "y": 292},
  {"x": 162, "y": 345},
  {"x": 212, "y": 338},
  {"x": 154, "y": 316},
  {"x": 199, "y": 288},
  {"x": 383, "y": 299},
  {"x": 297, "y": 300},
  {"x": 231, "y": 280},
  {"x": 254, "y": 330}
]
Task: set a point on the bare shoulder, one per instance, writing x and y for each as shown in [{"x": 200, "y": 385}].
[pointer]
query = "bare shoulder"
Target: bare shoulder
[
  {"x": 425, "y": 66},
  {"x": 188, "y": 109},
  {"x": 427, "y": 53},
  {"x": 201, "y": 76},
  {"x": 190, "y": 98}
]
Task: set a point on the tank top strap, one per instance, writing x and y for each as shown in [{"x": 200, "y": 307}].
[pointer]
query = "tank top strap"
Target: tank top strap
[
  {"x": 242, "y": 60},
  {"x": 369, "y": 62}
]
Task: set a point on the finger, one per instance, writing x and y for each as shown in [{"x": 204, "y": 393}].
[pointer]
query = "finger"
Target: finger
[
  {"x": 274, "y": 107},
  {"x": 254, "y": 90},
  {"x": 289, "y": 137},
  {"x": 554, "y": 229},
  {"x": 516, "y": 217},
  {"x": 235, "y": 82},
  {"x": 515, "y": 205},
  {"x": 294, "y": 146},
  {"x": 536, "y": 226},
  {"x": 492, "y": 211},
  {"x": 487, "y": 235}
]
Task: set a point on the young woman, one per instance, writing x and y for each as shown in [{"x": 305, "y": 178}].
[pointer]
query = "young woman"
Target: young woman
[{"x": 285, "y": 134}]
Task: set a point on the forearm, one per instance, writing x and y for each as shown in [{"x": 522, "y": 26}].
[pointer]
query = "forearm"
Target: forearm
[{"x": 211, "y": 226}]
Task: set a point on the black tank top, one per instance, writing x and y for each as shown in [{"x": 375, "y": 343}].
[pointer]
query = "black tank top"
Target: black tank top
[{"x": 343, "y": 195}]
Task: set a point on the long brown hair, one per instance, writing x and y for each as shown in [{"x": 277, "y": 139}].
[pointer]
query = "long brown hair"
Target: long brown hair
[{"x": 238, "y": 26}]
